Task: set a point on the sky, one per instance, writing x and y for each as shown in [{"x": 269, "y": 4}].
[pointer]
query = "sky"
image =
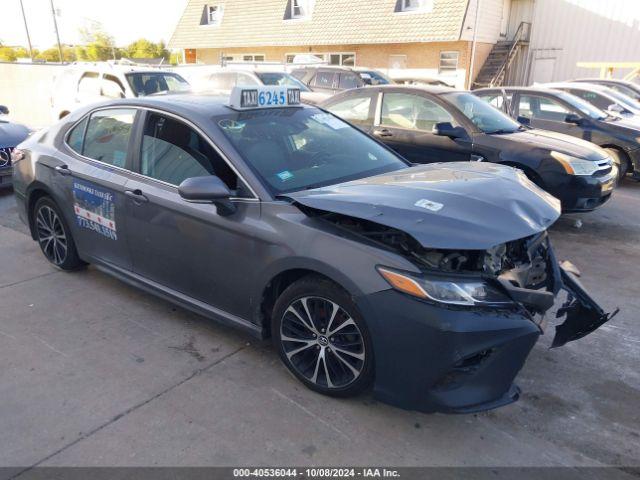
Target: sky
[{"x": 120, "y": 18}]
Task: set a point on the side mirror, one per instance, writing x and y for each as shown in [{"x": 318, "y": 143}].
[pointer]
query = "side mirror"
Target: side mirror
[
  {"x": 445, "y": 129},
  {"x": 4, "y": 110},
  {"x": 524, "y": 121},
  {"x": 573, "y": 118},
  {"x": 209, "y": 189}
]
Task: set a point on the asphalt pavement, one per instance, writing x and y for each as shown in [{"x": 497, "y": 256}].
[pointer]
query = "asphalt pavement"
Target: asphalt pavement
[{"x": 96, "y": 373}]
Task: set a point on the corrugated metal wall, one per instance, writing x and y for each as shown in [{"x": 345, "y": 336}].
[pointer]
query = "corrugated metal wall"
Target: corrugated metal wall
[{"x": 566, "y": 32}]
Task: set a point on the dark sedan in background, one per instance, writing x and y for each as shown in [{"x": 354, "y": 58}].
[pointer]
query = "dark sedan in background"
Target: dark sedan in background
[
  {"x": 563, "y": 112},
  {"x": 336, "y": 79},
  {"x": 11, "y": 134},
  {"x": 436, "y": 124}
]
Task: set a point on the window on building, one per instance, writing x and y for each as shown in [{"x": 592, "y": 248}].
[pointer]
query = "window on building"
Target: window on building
[
  {"x": 414, "y": 5},
  {"x": 345, "y": 59},
  {"x": 213, "y": 14},
  {"x": 173, "y": 152},
  {"x": 448, "y": 62},
  {"x": 298, "y": 9},
  {"x": 107, "y": 137},
  {"x": 253, "y": 58}
]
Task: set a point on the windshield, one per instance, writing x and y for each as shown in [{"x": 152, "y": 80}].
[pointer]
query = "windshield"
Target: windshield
[
  {"x": 150, "y": 83},
  {"x": 625, "y": 90},
  {"x": 583, "y": 106},
  {"x": 371, "y": 77},
  {"x": 293, "y": 149},
  {"x": 487, "y": 118},
  {"x": 279, "y": 78}
]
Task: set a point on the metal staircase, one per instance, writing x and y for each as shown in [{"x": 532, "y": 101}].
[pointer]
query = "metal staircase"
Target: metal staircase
[{"x": 502, "y": 54}]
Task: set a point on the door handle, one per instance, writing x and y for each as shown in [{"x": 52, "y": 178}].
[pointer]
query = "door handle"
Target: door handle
[
  {"x": 382, "y": 133},
  {"x": 63, "y": 170},
  {"x": 136, "y": 196}
]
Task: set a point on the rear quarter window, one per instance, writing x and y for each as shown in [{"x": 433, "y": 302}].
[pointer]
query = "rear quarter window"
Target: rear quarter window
[{"x": 107, "y": 136}]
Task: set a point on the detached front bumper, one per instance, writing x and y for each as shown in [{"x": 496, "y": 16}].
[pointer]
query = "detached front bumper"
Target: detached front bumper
[{"x": 436, "y": 359}]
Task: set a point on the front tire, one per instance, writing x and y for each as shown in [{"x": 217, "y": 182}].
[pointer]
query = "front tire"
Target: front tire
[
  {"x": 54, "y": 235},
  {"x": 620, "y": 162},
  {"x": 322, "y": 338}
]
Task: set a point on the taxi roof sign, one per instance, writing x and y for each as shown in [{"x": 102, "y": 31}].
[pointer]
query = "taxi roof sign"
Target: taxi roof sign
[{"x": 254, "y": 97}]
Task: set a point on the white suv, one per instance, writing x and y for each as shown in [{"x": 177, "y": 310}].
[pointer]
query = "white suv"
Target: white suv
[{"x": 84, "y": 84}]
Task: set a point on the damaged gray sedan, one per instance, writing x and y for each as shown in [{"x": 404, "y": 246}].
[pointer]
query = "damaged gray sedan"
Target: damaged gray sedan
[{"x": 427, "y": 283}]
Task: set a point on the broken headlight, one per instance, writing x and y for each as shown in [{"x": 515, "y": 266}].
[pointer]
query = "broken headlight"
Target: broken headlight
[{"x": 465, "y": 291}]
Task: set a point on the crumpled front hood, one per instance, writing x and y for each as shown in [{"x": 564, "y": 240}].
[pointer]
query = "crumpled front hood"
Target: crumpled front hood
[
  {"x": 11, "y": 134},
  {"x": 558, "y": 142},
  {"x": 469, "y": 206}
]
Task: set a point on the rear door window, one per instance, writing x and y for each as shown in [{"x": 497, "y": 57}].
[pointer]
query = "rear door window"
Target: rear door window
[
  {"x": 412, "y": 112},
  {"x": 348, "y": 80},
  {"x": 108, "y": 134},
  {"x": 112, "y": 87},
  {"x": 542, "y": 108},
  {"x": 76, "y": 137},
  {"x": 593, "y": 98},
  {"x": 89, "y": 84},
  {"x": 324, "y": 79},
  {"x": 355, "y": 110}
]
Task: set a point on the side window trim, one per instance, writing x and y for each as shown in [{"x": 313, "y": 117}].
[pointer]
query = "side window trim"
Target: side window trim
[
  {"x": 129, "y": 162},
  {"x": 136, "y": 136},
  {"x": 428, "y": 98}
]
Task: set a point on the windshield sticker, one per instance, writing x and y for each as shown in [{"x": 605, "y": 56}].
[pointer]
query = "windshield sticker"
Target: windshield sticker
[
  {"x": 329, "y": 120},
  {"x": 94, "y": 209},
  {"x": 429, "y": 205},
  {"x": 286, "y": 175}
]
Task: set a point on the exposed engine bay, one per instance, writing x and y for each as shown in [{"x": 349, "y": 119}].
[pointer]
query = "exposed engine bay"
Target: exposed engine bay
[
  {"x": 528, "y": 256},
  {"x": 526, "y": 268}
]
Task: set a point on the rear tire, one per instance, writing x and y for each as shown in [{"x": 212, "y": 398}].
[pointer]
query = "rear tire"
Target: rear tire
[
  {"x": 54, "y": 235},
  {"x": 322, "y": 338}
]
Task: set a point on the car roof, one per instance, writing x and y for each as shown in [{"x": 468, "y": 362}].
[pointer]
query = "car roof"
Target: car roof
[
  {"x": 522, "y": 89},
  {"x": 187, "y": 105},
  {"x": 580, "y": 86},
  {"x": 433, "y": 89}
]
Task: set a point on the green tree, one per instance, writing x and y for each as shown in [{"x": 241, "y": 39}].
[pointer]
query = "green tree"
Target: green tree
[
  {"x": 144, "y": 48},
  {"x": 53, "y": 54},
  {"x": 100, "y": 46},
  {"x": 7, "y": 54}
]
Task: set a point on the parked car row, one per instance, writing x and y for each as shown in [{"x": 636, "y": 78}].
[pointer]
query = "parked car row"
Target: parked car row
[{"x": 562, "y": 112}]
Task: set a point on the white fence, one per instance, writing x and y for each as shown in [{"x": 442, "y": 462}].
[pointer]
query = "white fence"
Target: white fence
[{"x": 26, "y": 90}]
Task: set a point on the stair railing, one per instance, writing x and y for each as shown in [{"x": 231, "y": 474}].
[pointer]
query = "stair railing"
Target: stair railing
[{"x": 522, "y": 35}]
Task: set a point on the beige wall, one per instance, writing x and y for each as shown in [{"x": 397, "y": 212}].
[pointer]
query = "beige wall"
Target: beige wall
[
  {"x": 421, "y": 58},
  {"x": 419, "y": 55}
]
